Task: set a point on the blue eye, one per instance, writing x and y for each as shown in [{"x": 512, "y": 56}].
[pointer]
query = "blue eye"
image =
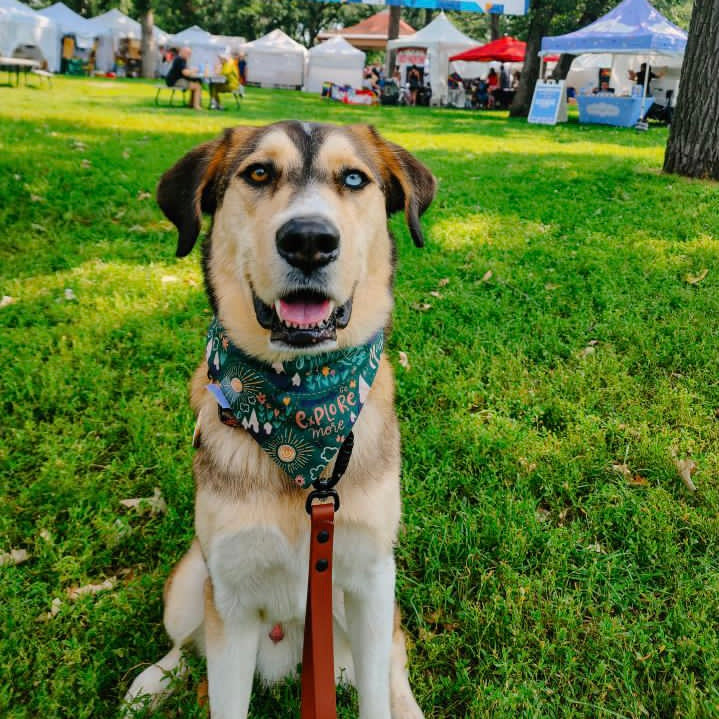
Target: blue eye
[{"x": 354, "y": 179}]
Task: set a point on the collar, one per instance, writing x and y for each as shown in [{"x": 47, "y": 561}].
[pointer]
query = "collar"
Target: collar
[{"x": 300, "y": 411}]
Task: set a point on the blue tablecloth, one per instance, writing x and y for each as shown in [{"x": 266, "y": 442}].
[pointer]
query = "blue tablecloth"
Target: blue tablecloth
[{"x": 611, "y": 110}]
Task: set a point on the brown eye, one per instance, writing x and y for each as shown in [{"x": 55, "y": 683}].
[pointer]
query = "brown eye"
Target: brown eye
[{"x": 258, "y": 174}]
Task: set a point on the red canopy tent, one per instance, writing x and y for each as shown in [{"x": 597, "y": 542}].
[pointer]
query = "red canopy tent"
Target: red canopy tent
[{"x": 506, "y": 49}]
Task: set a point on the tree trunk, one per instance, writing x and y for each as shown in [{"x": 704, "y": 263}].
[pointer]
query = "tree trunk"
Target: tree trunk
[
  {"x": 540, "y": 18},
  {"x": 693, "y": 147},
  {"x": 561, "y": 69},
  {"x": 148, "y": 47},
  {"x": 395, "y": 13},
  {"x": 494, "y": 26}
]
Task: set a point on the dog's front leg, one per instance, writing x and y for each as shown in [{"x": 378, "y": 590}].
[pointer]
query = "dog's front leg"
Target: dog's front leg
[
  {"x": 369, "y": 609},
  {"x": 231, "y": 646}
]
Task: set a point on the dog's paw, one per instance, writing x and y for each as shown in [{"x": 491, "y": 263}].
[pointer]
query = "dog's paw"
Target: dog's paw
[
  {"x": 154, "y": 684},
  {"x": 405, "y": 707}
]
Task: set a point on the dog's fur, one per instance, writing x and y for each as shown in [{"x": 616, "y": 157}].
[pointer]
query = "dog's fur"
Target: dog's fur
[{"x": 246, "y": 571}]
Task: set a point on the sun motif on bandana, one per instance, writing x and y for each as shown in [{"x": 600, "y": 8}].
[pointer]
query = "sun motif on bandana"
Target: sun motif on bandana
[
  {"x": 239, "y": 384},
  {"x": 289, "y": 450}
]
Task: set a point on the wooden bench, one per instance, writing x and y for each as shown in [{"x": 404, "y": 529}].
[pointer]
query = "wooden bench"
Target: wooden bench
[
  {"x": 43, "y": 74},
  {"x": 172, "y": 91}
]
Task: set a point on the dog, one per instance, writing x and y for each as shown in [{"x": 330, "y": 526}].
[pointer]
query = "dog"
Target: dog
[{"x": 298, "y": 263}]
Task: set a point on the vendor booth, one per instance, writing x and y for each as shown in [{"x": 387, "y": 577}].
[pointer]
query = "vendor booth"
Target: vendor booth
[
  {"x": 438, "y": 40},
  {"x": 632, "y": 33},
  {"x": 334, "y": 61},
  {"x": 25, "y": 34},
  {"x": 275, "y": 60},
  {"x": 118, "y": 47},
  {"x": 77, "y": 37}
]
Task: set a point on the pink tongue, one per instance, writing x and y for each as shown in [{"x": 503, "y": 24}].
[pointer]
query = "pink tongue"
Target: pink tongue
[{"x": 304, "y": 313}]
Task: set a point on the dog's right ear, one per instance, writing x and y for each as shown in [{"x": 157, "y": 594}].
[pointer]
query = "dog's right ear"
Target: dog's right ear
[{"x": 188, "y": 189}]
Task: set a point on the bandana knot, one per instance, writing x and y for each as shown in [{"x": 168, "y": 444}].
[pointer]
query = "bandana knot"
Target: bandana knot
[{"x": 300, "y": 411}]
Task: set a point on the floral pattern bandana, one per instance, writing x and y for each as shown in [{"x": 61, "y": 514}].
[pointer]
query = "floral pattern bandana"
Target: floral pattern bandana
[{"x": 300, "y": 411}]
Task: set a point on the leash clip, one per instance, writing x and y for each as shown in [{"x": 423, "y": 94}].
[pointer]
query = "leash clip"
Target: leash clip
[
  {"x": 322, "y": 493},
  {"x": 324, "y": 488}
]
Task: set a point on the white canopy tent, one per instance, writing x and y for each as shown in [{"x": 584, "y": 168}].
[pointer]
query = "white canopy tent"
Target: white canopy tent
[
  {"x": 112, "y": 27},
  {"x": 70, "y": 23},
  {"x": 334, "y": 61},
  {"x": 276, "y": 59},
  {"x": 205, "y": 47},
  {"x": 24, "y": 32},
  {"x": 440, "y": 39}
]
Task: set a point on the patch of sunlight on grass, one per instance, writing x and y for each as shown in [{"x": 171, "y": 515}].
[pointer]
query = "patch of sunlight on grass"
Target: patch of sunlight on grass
[{"x": 485, "y": 228}]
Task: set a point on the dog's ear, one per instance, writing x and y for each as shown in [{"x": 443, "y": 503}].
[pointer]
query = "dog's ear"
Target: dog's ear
[
  {"x": 409, "y": 185},
  {"x": 188, "y": 189}
]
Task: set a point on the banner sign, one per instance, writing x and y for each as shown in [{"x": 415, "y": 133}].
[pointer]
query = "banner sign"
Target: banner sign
[
  {"x": 549, "y": 103},
  {"x": 410, "y": 56},
  {"x": 508, "y": 7}
]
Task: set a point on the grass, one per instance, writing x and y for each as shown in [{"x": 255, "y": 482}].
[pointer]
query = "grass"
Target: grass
[{"x": 535, "y": 580}]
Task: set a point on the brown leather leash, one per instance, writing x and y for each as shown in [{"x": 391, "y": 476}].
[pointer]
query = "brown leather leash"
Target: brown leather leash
[{"x": 319, "y": 699}]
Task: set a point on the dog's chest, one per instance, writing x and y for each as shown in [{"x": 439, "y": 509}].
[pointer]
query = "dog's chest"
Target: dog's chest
[{"x": 259, "y": 570}]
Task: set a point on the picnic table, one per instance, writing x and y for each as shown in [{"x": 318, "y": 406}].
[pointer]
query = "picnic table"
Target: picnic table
[{"x": 16, "y": 64}]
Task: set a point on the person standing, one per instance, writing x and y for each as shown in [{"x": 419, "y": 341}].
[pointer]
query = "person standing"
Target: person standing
[
  {"x": 180, "y": 76},
  {"x": 641, "y": 76}
]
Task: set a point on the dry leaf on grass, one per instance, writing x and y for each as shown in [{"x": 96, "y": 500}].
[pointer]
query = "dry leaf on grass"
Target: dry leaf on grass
[
  {"x": 422, "y": 306},
  {"x": 622, "y": 469},
  {"x": 686, "y": 468},
  {"x": 541, "y": 514},
  {"x": 6, "y": 300},
  {"x": 14, "y": 556},
  {"x": 403, "y": 359},
  {"x": 436, "y": 294},
  {"x": 596, "y": 547},
  {"x": 125, "y": 155},
  {"x": 487, "y": 276},
  {"x": 69, "y": 295},
  {"x": 142, "y": 195},
  {"x": 54, "y": 609},
  {"x": 443, "y": 282},
  {"x": 696, "y": 279},
  {"x": 166, "y": 279},
  {"x": 154, "y": 504},
  {"x": 85, "y": 163},
  {"x": 550, "y": 287},
  {"x": 36, "y": 198},
  {"x": 74, "y": 593}
]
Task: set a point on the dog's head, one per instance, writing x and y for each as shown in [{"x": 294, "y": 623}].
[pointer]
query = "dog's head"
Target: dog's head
[{"x": 299, "y": 258}]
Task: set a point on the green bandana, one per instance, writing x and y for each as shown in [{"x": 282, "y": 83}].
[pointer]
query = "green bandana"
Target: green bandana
[{"x": 300, "y": 411}]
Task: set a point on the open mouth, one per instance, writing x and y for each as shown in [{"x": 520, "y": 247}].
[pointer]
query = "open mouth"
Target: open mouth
[{"x": 303, "y": 318}]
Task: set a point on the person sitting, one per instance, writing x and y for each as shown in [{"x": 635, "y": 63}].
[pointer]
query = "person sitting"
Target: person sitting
[
  {"x": 228, "y": 69},
  {"x": 480, "y": 97},
  {"x": 179, "y": 76}
]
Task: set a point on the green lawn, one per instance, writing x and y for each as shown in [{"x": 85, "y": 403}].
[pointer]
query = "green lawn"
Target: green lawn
[{"x": 567, "y": 333}]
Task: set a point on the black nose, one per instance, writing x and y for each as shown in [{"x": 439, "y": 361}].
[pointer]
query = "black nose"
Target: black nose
[{"x": 308, "y": 243}]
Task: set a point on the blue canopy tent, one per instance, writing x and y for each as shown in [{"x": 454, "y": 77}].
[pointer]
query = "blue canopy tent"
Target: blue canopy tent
[{"x": 633, "y": 27}]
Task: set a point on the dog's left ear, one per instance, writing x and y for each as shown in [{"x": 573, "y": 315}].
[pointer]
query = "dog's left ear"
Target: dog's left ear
[{"x": 409, "y": 185}]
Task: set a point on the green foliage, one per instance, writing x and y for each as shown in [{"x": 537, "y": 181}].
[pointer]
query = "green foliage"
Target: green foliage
[{"x": 535, "y": 580}]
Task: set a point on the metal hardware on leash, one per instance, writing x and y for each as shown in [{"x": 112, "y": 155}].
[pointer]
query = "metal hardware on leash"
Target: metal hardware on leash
[{"x": 323, "y": 488}]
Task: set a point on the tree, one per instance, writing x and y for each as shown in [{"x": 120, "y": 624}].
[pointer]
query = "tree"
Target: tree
[{"x": 693, "y": 147}]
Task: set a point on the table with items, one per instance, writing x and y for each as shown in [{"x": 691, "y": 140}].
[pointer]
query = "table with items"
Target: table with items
[{"x": 604, "y": 108}]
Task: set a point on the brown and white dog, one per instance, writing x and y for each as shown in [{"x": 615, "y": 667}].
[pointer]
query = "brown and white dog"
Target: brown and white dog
[{"x": 299, "y": 228}]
